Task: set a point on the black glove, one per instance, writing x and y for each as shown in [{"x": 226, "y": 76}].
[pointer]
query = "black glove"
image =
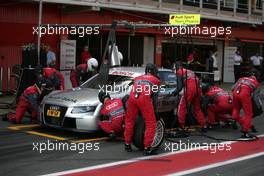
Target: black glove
[
  {"x": 211, "y": 100},
  {"x": 124, "y": 101},
  {"x": 104, "y": 118},
  {"x": 175, "y": 92}
]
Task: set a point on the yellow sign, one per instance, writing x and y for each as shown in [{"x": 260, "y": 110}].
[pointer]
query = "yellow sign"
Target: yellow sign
[
  {"x": 53, "y": 113},
  {"x": 184, "y": 19}
]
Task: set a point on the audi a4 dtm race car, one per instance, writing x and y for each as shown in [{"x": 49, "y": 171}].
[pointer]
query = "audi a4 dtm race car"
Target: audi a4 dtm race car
[{"x": 78, "y": 109}]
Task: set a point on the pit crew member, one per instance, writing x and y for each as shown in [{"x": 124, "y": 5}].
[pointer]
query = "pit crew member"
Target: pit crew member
[
  {"x": 140, "y": 99},
  {"x": 112, "y": 115},
  {"x": 242, "y": 98},
  {"x": 53, "y": 77},
  {"x": 28, "y": 101},
  {"x": 220, "y": 104},
  {"x": 83, "y": 72},
  {"x": 191, "y": 96}
]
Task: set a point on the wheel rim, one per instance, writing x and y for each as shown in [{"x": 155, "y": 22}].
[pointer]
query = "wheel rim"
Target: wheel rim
[{"x": 158, "y": 134}]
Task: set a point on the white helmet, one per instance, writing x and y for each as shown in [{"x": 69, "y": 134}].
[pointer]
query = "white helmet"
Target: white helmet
[
  {"x": 120, "y": 56},
  {"x": 92, "y": 64}
]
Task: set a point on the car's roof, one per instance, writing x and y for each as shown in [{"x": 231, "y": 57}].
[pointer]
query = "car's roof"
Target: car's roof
[{"x": 131, "y": 71}]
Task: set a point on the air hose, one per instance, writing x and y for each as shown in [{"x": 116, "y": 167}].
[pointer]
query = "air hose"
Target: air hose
[{"x": 170, "y": 136}]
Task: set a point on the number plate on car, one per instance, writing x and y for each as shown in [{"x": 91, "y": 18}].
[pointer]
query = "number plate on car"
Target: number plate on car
[{"x": 53, "y": 113}]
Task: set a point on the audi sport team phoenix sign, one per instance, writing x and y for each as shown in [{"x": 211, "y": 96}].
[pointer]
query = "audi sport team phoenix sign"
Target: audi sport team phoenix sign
[{"x": 184, "y": 19}]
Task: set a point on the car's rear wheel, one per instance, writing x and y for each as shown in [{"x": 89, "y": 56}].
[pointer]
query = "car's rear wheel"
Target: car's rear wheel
[{"x": 139, "y": 132}]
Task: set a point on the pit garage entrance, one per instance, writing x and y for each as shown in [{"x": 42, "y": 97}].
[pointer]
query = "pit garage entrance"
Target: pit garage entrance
[
  {"x": 131, "y": 46},
  {"x": 179, "y": 49}
]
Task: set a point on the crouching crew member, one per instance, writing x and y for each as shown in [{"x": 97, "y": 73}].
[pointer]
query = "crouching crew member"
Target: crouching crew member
[
  {"x": 83, "y": 72},
  {"x": 191, "y": 95},
  {"x": 54, "y": 77},
  {"x": 28, "y": 101},
  {"x": 140, "y": 99},
  {"x": 242, "y": 98},
  {"x": 220, "y": 104},
  {"x": 112, "y": 115}
]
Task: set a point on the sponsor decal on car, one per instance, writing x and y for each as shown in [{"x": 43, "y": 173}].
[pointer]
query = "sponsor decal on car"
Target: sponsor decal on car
[
  {"x": 121, "y": 73},
  {"x": 64, "y": 99}
]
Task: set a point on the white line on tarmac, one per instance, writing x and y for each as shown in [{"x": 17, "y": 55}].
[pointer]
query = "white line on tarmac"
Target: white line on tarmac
[
  {"x": 191, "y": 171},
  {"x": 100, "y": 166}
]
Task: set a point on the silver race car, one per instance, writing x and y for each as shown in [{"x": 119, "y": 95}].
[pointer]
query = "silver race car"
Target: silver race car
[{"x": 78, "y": 109}]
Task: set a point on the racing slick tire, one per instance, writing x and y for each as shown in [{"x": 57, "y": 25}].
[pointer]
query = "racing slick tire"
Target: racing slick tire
[{"x": 139, "y": 131}]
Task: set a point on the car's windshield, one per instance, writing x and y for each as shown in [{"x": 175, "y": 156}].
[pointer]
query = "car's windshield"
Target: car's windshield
[
  {"x": 113, "y": 82},
  {"x": 170, "y": 80}
]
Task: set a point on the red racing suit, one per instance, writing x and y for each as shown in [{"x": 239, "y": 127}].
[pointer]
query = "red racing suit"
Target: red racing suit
[
  {"x": 113, "y": 114},
  {"x": 85, "y": 56},
  {"x": 190, "y": 58},
  {"x": 55, "y": 77},
  {"x": 191, "y": 95},
  {"x": 140, "y": 100},
  {"x": 28, "y": 101},
  {"x": 220, "y": 104},
  {"x": 242, "y": 93},
  {"x": 76, "y": 74},
  {"x": 80, "y": 74}
]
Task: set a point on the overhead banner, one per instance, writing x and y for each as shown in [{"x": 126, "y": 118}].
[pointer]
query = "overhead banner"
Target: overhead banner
[
  {"x": 67, "y": 54},
  {"x": 185, "y": 19}
]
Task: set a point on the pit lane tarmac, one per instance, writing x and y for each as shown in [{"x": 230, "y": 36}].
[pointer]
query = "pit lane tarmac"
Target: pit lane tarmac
[
  {"x": 61, "y": 135},
  {"x": 19, "y": 158}
]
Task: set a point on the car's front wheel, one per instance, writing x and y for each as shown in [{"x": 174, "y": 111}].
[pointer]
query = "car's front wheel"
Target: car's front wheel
[
  {"x": 139, "y": 132},
  {"x": 41, "y": 121}
]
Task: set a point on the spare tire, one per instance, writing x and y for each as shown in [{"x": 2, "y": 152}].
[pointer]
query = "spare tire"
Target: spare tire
[{"x": 139, "y": 132}]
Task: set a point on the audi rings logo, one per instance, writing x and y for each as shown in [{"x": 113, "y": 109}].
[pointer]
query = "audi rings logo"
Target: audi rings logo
[
  {"x": 111, "y": 106},
  {"x": 54, "y": 108}
]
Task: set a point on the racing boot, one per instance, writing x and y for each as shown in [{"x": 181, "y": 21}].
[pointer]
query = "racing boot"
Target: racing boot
[
  {"x": 180, "y": 132},
  {"x": 148, "y": 151},
  {"x": 181, "y": 129},
  {"x": 4, "y": 117},
  {"x": 12, "y": 118},
  {"x": 34, "y": 121},
  {"x": 112, "y": 136},
  {"x": 204, "y": 129},
  {"x": 234, "y": 125},
  {"x": 13, "y": 121},
  {"x": 253, "y": 129},
  {"x": 247, "y": 136},
  {"x": 210, "y": 126},
  {"x": 128, "y": 148},
  {"x": 226, "y": 124}
]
